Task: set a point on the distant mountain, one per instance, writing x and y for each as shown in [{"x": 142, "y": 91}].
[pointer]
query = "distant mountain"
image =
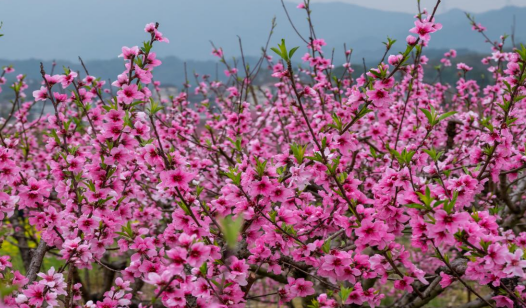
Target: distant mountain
[
  {"x": 96, "y": 30},
  {"x": 171, "y": 72},
  {"x": 64, "y": 29}
]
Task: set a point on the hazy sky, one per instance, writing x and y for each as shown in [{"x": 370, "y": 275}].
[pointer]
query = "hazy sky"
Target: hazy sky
[
  {"x": 408, "y": 6},
  {"x": 97, "y": 29}
]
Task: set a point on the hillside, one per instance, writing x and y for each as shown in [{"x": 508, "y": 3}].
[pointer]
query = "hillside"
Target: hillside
[{"x": 191, "y": 24}]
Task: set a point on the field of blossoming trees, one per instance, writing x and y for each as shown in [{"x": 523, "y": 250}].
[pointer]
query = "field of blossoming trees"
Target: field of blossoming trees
[{"x": 372, "y": 190}]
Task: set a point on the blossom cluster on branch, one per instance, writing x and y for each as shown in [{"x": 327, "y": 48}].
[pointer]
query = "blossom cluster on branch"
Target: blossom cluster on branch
[{"x": 336, "y": 189}]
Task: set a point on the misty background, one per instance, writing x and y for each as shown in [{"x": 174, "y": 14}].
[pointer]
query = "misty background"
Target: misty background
[{"x": 96, "y": 30}]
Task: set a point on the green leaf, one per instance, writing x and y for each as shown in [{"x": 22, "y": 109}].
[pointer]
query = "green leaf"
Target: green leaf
[
  {"x": 274, "y": 49},
  {"x": 122, "y": 234},
  {"x": 342, "y": 177},
  {"x": 292, "y": 51},
  {"x": 314, "y": 304},
  {"x": 216, "y": 283},
  {"x": 55, "y": 136},
  {"x": 204, "y": 269},
  {"x": 373, "y": 152},
  {"x": 344, "y": 293},
  {"x": 198, "y": 190},
  {"x": 416, "y": 206},
  {"x": 428, "y": 114},
  {"x": 234, "y": 175},
  {"x": 283, "y": 49},
  {"x": 184, "y": 207},
  {"x": 446, "y": 115},
  {"x": 326, "y": 247},
  {"x": 432, "y": 153},
  {"x": 298, "y": 151},
  {"x": 317, "y": 157},
  {"x": 338, "y": 124},
  {"x": 261, "y": 166},
  {"x": 363, "y": 112},
  {"x": 374, "y": 72},
  {"x": 273, "y": 215},
  {"x": 389, "y": 42},
  {"x": 231, "y": 229}
]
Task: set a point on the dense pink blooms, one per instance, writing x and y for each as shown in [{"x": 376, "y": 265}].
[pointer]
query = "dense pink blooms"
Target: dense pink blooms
[
  {"x": 337, "y": 190},
  {"x": 32, "y": 194}
]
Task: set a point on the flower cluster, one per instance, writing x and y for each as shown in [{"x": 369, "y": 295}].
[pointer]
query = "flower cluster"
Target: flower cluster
[{"x": 339, "y": 190}]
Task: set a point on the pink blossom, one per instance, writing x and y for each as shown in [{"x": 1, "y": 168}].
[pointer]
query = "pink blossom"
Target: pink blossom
[
  {"x": 144, "y": 75},
  {"x": 40, "y": 95},
  {"x": 197, "y": 254},
  {"x": 503, "y": 301},
  {"x": 300, "y": 287},
  {"x": 344, "y": 178},
  {"x": 129, "y": 53},
  {"x": 34, "y": 192},
  {"x": 445, "y": 281},
  {"x": 464, "y": 67},
  {"x": 128, "y": 94},
  {"x": 515, "y": 264},
  {"x": 411, "y": 40},
  {"x": 35, "y": 294},
  {"x": 380, "y": 97},
  {"x": 262, "y": 187},
  {"x": 404, "y": 284},
  {"x": 176, "y": 178},
  {"x": 423, "y": 29},
  {"x": 218, "y": 52},
  {"x": 68, "y": 79}
]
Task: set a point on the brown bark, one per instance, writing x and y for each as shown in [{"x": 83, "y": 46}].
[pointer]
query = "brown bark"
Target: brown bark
[{"x": 36, "y": 261}]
